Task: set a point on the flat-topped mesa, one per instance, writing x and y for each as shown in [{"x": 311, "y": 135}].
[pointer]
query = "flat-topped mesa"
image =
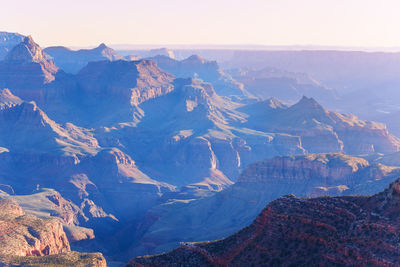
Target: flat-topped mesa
[
  {"x": 329, "y": 168},
  {"x": 72, "y": 61},
  {"x": 133, "y": 81}
]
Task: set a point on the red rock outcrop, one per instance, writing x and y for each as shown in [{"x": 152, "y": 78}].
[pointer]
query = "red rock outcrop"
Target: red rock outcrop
[
  {"x": 338, "y": 231},
  {"x": 27, "y": 235}
]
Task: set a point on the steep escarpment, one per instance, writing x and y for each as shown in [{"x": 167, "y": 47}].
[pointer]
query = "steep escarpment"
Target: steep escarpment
[
  {"x": 18, "y": 118},
  {"x": 290, "y": 230},
  {"x": 30, "y": 75},
  {"x": 26, "y": 58},
  {"x": 108, "y": 93},
  {"x": 26, "y": 240},
  {"x": 126, "y": 190},
  {"x": 135, "y": 81},
  {"x": 325, "y": 168}
]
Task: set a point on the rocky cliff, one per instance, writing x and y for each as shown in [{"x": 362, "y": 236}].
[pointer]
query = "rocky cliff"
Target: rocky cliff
[
  {"x": 357, "y": 231},
  {"x": 26, "y": 235},
  {"x": 17, "y": 118},
  {"x": 27, "y": 71},
  {"x": 26, "y": 54},
  {"x": 26, "y": 240},
  {"x": 134, "y": 81}
]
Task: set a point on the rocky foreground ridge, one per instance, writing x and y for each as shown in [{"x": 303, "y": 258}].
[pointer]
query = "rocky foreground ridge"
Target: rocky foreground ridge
[
  {"x": 345, "y": 231},
  {"x": 30, "y": 241}
]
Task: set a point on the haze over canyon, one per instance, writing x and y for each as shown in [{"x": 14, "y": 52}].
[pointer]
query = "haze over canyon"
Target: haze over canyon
[{"x": 283, "y": 157}]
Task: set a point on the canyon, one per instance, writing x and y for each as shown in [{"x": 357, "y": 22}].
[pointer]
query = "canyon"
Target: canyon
[{"x": 130, "y": 156}]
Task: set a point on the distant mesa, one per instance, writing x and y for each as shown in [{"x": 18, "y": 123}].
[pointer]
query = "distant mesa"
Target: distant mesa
[
  {"x": 161, "y": 52},
  {"x": 285, "y": 85},
  {"x": 71, "y": 61},
  {"x": 207, "y": 71}
]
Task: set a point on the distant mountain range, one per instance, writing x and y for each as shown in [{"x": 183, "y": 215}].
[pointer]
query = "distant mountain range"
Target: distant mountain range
[
  {"x": 134, "y": 155},
  {"x": 72, "y": 61}
]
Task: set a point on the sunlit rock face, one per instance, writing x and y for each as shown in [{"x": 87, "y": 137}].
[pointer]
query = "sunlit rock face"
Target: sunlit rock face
[{"x": 27, "y": 235}]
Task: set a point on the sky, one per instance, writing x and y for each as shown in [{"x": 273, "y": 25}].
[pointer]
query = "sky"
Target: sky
[{"x": 367, "y": 23}]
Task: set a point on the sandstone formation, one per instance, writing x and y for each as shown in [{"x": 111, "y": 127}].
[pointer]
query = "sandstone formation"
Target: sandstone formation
[
  {"x": 27, "y": 235},
  {"x": 27, "y": 240},
  {"x": 145, "y": 159}
]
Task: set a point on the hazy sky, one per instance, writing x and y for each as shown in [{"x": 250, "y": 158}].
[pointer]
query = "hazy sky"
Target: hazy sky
[{"x": 266, "y": 22}]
